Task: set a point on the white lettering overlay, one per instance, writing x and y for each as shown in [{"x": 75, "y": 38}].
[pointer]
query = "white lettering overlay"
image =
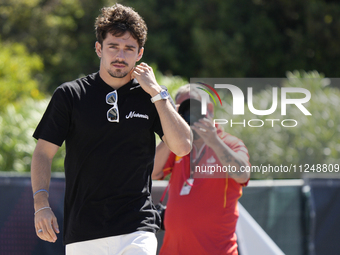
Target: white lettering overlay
[
  {"x": 238, "y": 100},
  {"x": 133, "y": 114}
]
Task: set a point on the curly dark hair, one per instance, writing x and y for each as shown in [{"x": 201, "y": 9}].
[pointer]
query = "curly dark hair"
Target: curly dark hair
[{"x": 119, "y": 19}]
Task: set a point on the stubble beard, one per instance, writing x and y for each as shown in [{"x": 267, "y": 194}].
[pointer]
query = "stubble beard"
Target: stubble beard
[{"x": 118, "y": 73}]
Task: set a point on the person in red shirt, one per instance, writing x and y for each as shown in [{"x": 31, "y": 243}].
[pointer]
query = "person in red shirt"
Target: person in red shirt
[{"x": 202, "y": 211}]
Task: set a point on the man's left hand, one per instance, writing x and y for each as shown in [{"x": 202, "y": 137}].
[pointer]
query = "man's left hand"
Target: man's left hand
[{"x": 146, "y": 78}]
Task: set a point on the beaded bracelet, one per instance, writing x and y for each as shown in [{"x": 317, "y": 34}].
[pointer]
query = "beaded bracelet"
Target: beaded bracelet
[
  {"x": 46, "y": 207},
  {"x": 40, "y": 190}
]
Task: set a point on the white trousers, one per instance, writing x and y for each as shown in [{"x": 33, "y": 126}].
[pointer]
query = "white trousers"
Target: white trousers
[{"x": 136, "y": 243}]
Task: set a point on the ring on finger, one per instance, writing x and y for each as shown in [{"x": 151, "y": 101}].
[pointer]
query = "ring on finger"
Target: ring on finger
[{"x": 40, "y": 231}]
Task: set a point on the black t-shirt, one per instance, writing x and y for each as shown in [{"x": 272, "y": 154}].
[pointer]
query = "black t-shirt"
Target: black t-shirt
[{"x": 108, "y": 165}]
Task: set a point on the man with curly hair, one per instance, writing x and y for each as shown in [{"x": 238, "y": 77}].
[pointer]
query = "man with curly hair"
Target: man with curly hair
[{"x": 107, "y": 120}]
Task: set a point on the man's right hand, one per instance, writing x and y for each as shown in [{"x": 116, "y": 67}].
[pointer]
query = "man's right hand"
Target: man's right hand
[{"x": 46, "y": 225}]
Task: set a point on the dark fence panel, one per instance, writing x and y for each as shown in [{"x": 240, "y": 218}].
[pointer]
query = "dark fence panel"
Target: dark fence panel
[
  {"x": 324, "y": 204},
  {"x": 17, "y": 232},
  {"x": 277, "y": 206}
]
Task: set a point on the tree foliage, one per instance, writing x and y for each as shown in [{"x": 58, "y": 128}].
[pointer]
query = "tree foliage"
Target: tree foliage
[
  {"x": 242, "y": 38},
  {"x": 61, "y": 32},
  {"x": 193, "y": 38},
  {"x": 17, "y": 124},
  {"x": 17, "y": 69}
]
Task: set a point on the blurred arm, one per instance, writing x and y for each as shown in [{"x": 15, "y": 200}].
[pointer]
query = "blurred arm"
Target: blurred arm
[
  {"x": 225, "y": 154},
  {"x": 162, "y": 154}
]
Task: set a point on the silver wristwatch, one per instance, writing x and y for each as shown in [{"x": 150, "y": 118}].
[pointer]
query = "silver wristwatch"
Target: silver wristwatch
[{"x": 164, "y": 94}]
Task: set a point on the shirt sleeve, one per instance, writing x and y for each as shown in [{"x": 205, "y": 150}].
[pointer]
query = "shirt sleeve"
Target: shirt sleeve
[{"x": 55, "y": 123}]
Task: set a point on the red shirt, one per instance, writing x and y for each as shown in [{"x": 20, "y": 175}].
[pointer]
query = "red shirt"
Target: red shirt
[{"x": 204, "y": 221}]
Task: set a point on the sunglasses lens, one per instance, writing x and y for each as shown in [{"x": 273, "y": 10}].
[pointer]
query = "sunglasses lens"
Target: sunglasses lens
[
  {"x": 112, "y": 115},
  {"x": 111, "y": 98}
]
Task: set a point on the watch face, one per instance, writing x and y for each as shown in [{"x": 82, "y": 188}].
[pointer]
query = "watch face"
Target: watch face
[{"x": 164, "y": 94}]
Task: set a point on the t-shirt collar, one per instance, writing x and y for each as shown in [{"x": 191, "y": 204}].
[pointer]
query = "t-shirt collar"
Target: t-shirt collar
[{"x": 132, "y": 84}]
